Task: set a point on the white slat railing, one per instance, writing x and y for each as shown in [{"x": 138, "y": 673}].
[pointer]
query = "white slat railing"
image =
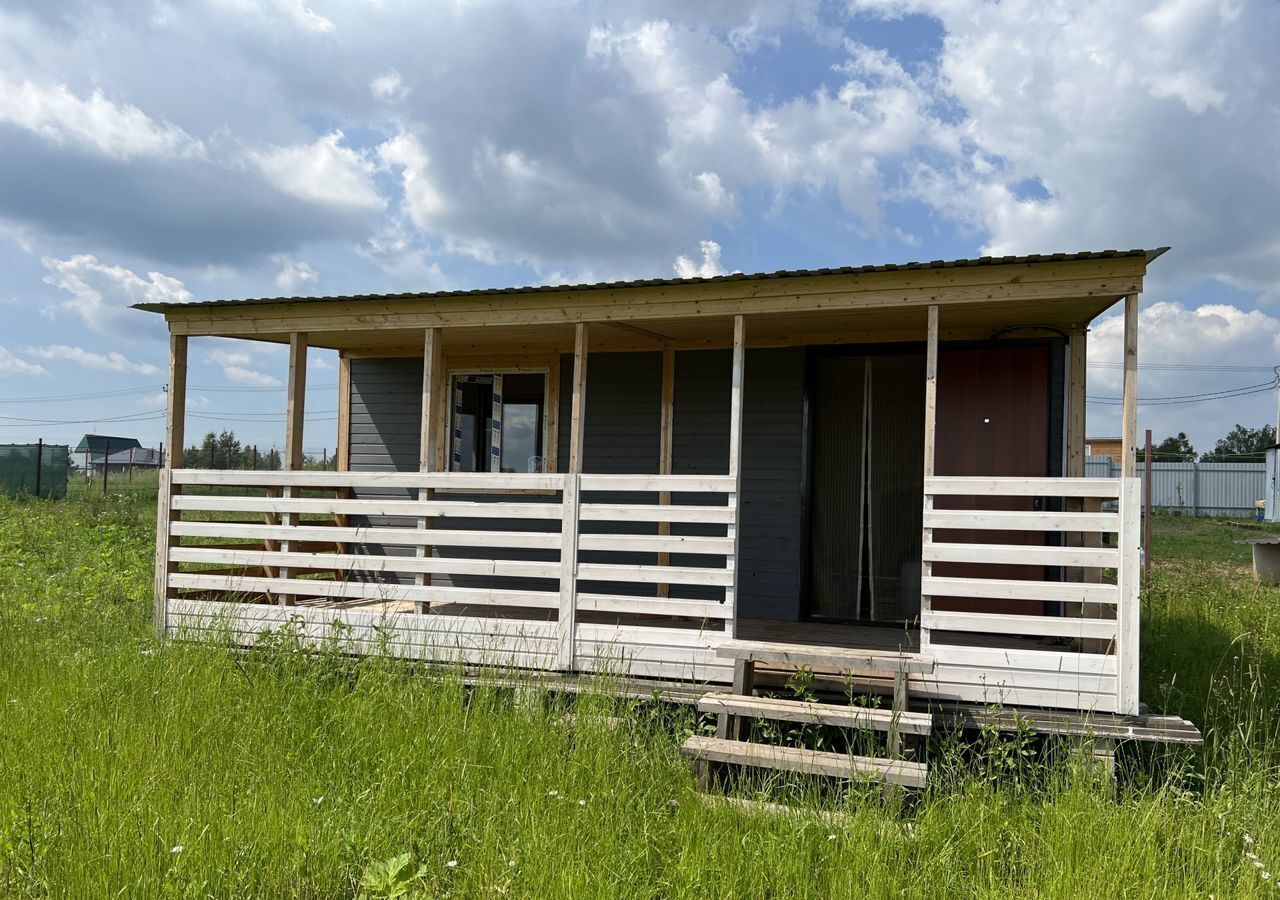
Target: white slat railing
[
  {"x": 509, "y": 547},
  {"x": 1024, "y": 599}
]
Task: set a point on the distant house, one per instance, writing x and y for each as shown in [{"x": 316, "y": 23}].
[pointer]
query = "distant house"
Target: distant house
[
  {"x": 1105, "y": 446},
  {"x": 118, "y": 453}
]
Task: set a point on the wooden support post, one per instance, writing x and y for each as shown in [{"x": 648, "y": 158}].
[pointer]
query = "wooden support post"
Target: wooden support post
[
  {"x": 1077, "y": 374},
  {"x": 295, "y": 411},
  {"x": 744, "y": 685},
  {"x": 429, "y": 434},
  {"x": 568, "y": 615},
  {"x": 1129, "y": 613},
  {"x": 930, "y": 426},
  {"x": 1129, "y": 423},
  {"x": 175, "y": 420},
  {"x": 736, "y": 396},
  {"x": 343, "y": 453},
  {"x": 666, "y": 432},
  {"x": 1146, "y": 505}
]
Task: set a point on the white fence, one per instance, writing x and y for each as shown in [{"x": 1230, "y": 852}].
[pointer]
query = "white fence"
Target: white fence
[
  {"x": 557, "y": 572},
  {"x": 1009, "y": 636},
  {"x": 1196, "y": 488}
]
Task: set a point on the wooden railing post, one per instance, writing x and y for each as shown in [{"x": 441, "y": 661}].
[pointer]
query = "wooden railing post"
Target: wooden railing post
[
  {"x": 295, "y": 412},
  {"x": 1128, "y": 616},
  {"x": 429, "y": 435},
  {"x": 175, "y": 423},
  {"x": 569, "y": 528},
  {"x": 666, "y": 435},
  {"x": 930, "y": 424},
  {"x": 736, "y": 387}
]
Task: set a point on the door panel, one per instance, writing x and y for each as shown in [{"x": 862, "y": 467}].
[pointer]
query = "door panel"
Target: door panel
[{"x": 992, "y": 419}]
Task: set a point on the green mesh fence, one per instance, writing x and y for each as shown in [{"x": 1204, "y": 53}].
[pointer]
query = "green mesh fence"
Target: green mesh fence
[{"x": 18, "y": 467}]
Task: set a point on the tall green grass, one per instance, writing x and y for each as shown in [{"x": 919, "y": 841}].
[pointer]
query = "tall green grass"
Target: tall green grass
[{"x": 135, "y": 768}]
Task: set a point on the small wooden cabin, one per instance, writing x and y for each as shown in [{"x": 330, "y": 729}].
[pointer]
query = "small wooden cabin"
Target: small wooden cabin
[{"x": 668, "y": 478}]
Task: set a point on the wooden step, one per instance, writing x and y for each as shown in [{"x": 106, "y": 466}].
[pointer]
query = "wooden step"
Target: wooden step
[
  {"x": 804, "y": 711},
  {"x": 812, "y": 762},
  {"x": 847, "y": 659}
]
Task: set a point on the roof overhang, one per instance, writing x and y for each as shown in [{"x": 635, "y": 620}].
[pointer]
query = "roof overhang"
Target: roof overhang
[{"x": 1015, "y": 296}]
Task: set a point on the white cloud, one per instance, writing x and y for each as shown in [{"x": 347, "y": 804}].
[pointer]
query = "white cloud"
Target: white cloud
[
  {"x": 293, "y": 274},
  {"x": 11, "y": 364},
  {"x": 1175, "y": 334},
  {"x": 389, "y": 87},
  {"x": 1126, "y": 124},
  {"x": 295, "y": 12},
  {"x": 101, "y": 294},
  {"x": 107, "y": 362},
  {"x": 54, "y": 113},
  {"x": 708, "y": 267},
  {"x": 324, "y": 171},
  {"x": 319, "y": 363},
  {"x": 236, "y": 367}
]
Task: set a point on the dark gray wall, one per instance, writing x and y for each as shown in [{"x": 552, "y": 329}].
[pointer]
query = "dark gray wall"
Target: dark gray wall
[{"x": 621, "y": 437}]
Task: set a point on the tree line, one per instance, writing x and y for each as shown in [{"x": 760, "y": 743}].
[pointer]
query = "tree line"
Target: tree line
[
  {"x": 224, "y": 451},
  {"x": 1240, "y": 445}
]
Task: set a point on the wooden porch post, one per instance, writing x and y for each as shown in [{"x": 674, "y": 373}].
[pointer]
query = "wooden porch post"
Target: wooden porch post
[
  {"x": 429, "y": 435},
  {"x": 343, "y": 454},
  {"x": 297, "y": 400},
  {"x": 1077, "y": 367},
  {"x": 735, "y": 468},
  {"x": 930, "y": 424},
  {"x": 1129, "y": 427},
  {"x": 567, "y": 619},
  {"x": 295, "y": 411},
  {"x": 666, "y": 433},
  {"x": 1128, "y": 614},
  {"x": 174, "y": 436}
]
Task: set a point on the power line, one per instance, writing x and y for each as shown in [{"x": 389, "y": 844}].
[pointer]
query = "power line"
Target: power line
[
  {"x": 1182, "y": 367},
  {"x": 149, "y": 389},
  {"x": 1250, "y": 388}
]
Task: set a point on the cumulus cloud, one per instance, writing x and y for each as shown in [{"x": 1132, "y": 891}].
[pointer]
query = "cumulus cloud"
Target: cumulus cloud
[
  {"x": 293, "y": 12},
  {"x": 101, "y": 294},
  {"x": 1132, "y": 123},
  {"x": 389, "y": 87},
  {"x": 324, "y": 172},
  {"x": 1175, "y": 334},
  {"x": 113, "y": 361},
  {"x": 119, "y": 131},
  {"x": 236, "y": 366},
  {"x": 11, "y": 364},
  {"x": 708, "y": 267},
  {"x": 294, "y": 273}
]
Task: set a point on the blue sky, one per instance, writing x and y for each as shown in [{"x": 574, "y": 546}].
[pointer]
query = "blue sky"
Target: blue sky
[{"x": 232, "y": 148}]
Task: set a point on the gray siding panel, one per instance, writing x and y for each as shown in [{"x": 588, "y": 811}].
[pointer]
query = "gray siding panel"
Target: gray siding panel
[{"x": 621, "y": 437}]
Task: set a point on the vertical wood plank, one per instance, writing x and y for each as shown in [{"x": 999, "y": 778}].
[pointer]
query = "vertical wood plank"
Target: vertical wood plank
[
  {"x": 578, "y": 408},
  {"x": 296, "y": 407},
  {"x": 568, "y": 614},
  {"x": 1129, "y": 466},
  {"x": 343, "y": 462},
  {"x": 429, "y": 435},
  {"x": 666, "y": 443},
  {"x": 176, "y": 399},
  {"x": 163, "y": 543},
  {"x": 551, "y": 452},
  {"x": 175, "y": 439},
  {"x": 1077, "y": 363},
  {"x": 295, "y": 412},
  {"x": 930, "y": 426},
  {"x": 1129, "y": 614},
  {"x": 736, "y": 384}
]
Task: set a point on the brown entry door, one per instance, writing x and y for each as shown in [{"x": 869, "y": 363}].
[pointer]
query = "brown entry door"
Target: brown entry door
[{"x": 993, "y": 420}]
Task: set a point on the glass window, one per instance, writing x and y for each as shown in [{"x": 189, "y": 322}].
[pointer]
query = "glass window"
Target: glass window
[{"x": 497, "y": 422}]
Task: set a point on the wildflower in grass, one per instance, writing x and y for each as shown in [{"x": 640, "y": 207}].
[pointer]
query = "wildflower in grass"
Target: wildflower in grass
[
  {"x": 177, "y": 849},
  {"x": 452, "y": 864},
  {"x": 553, "y": 793},
  {"x": 582, "y": 802}
]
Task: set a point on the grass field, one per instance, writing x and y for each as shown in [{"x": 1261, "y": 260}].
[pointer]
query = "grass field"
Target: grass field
[{"x": 133, "y": 768}]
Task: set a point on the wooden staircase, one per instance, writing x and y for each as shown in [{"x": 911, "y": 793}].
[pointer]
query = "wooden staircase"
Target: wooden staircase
[{"x": 732, "y": 744}]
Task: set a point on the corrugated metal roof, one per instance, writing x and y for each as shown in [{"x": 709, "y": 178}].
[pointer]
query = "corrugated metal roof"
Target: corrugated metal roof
[{"x": 662, "y": 282}]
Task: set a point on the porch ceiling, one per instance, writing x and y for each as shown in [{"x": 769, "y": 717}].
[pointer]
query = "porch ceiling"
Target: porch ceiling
[{"x": 969, "y": 321}]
